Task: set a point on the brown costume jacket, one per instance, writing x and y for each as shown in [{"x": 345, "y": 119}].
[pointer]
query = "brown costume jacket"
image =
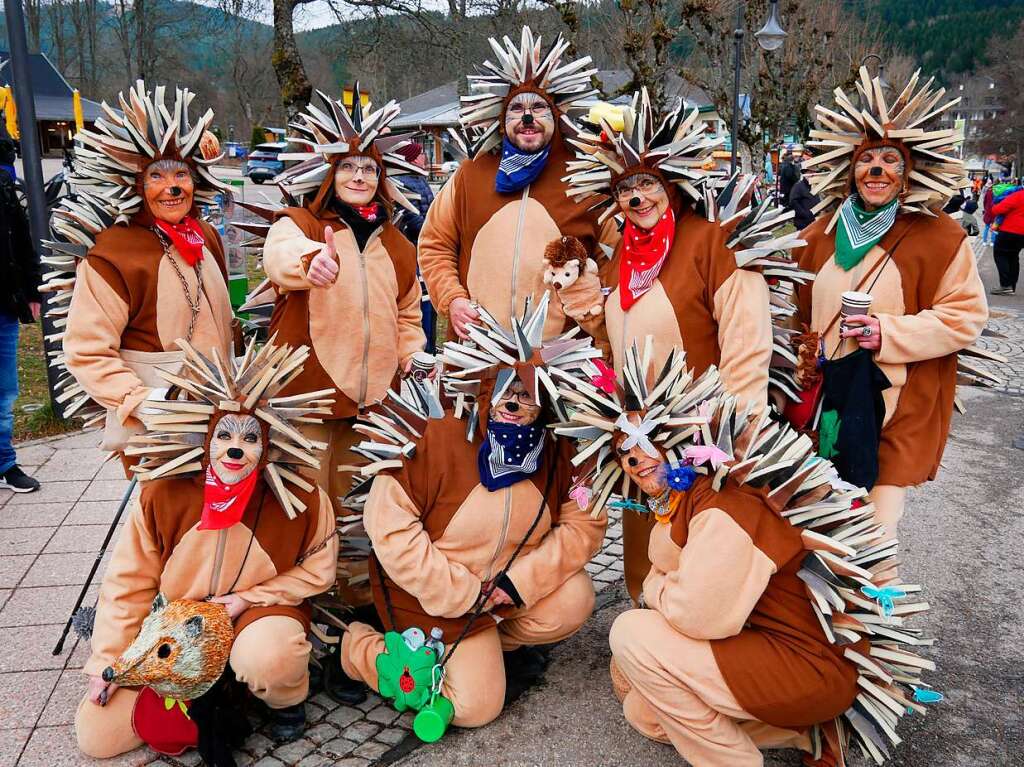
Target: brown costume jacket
[
  {"x": 161, "y": 550},
  {"x": 725, "y": 570},
  {"x": 930, "y": 303},
  {"x": 438, "y": 534}
]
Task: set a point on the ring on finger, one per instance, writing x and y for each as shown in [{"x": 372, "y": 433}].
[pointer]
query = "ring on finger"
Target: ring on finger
[{"x": 866, "y": 331}]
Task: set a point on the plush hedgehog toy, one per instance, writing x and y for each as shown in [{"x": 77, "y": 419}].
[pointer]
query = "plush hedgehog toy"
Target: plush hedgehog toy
[
  {"x": 566, "y": 260},
  {"x": 189, "y": 697}
]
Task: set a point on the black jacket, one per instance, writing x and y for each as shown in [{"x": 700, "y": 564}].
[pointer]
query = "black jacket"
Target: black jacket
[
  {"x": 789, "y": 174},
  {"x": 801, "y": 201},
  {"x": 19, "y": 263},
  {"x": 411, "y": 223}
]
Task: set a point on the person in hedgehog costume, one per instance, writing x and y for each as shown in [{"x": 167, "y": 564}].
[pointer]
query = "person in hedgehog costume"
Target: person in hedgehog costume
[
  {"x": 489, "y": 560},
  {"x": 483, "y": 241},
  {"x": 224, "y": 515},
  {"x": 133, "y": 267},
  {"x": 693, "y": 266},
  {"x": 767, "y": 620},
  {"x": 888, "y": 370}
]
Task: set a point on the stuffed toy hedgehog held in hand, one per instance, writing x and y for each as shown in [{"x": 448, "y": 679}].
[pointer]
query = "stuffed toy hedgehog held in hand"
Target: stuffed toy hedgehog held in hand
[{"x": 565, "y": 260}]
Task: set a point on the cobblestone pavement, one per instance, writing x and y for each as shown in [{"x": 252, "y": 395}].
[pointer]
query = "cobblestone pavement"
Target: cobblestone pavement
[{"x": 48, "y": 542}]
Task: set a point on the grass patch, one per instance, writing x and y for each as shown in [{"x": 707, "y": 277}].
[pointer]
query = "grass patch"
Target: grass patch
[{"x": 33, "y": 414}]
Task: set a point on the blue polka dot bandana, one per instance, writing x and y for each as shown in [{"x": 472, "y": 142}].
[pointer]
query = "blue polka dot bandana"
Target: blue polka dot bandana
[{"x": 509, "y": 453}]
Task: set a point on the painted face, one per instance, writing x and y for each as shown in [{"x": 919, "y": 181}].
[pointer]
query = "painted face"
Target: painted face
[
  {"x": 236, "y": 447},
  {"x": 356, "y": 180},
  {"x": 643, "y": 199},
  {"x": 879, "y": 175},
  {"x": 646, "y": 471},
  {"x": 168, "y": 188},
  {"x": 529, "y": 122},
  {"x": 516, "y": 406}
]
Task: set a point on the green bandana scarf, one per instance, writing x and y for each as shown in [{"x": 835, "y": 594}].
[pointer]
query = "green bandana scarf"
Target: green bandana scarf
[{"x": 859, "y": 230}]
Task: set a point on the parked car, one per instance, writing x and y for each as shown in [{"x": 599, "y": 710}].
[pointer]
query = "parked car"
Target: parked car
[{"x": 263, "y": 163}]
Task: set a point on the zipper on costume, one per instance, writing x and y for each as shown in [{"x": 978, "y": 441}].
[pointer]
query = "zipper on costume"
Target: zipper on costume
[
  {"x": 516, "y": 246},
  {"x": 504, "y": 532},
  {"x": 218, "y": 561},
  {"x": 364, "y": 366}
]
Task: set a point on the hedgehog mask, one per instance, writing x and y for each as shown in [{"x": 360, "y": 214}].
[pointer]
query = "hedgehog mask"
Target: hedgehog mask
[
  {"x": 502, "y": 379},
  {"x": 229, "y": 424}
]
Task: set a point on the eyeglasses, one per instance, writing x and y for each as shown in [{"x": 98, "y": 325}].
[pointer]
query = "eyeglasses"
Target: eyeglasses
[
  {"x": 537, "y": 109},
  {"x": 646, "y": 187},
  {"x": 347, "y": 170},
  {"x": 521, "y": 396}
]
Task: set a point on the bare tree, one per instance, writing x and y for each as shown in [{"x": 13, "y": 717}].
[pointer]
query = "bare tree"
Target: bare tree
[
  {"x": 1004, "y": 134},
  {"x": 294, "y": 84}
]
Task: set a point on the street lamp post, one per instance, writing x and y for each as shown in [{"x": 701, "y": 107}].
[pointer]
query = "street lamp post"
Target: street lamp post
[
  {"x": 770, "y": 37},
  {"x": 881, "y": 70}
]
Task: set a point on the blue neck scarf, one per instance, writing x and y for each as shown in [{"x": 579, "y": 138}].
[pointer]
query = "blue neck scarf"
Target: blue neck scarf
[
  {"x": 509, "y": 453},
  {"x": 518, "y": 168}
]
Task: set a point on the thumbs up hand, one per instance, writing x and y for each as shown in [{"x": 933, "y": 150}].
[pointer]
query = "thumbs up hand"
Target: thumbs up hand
[{"x": 323, "y": 269}]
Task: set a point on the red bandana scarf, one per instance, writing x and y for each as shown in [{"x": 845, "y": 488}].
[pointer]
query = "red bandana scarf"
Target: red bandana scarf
[
  {"x": 643, "y": 253},
  {"x": 224, "y": 504},
  {"x": 187, "y": 238},
  {"x": 370, "y": 212}
]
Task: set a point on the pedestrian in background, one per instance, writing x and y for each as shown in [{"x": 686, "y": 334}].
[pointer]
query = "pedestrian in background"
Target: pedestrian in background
[
  {"x": 789, "y": 174},
  {"x": 1009, "y": 241},
  {"x": 19, "y": 303},
  {"x": 410, "y": 225},
  {"x": 802, "y": 201},
  {"x": 987, "y": 216}
]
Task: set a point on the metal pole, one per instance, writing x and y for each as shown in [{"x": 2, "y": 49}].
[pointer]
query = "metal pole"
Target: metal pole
[
  {"x": 738, "y": 36},
  {"x": 31, "y": 161}
]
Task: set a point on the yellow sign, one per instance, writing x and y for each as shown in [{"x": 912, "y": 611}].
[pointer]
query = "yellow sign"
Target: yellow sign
[
  {"x": 346, "y": 97},
  {"x": 10, "y": 111},
  {"x": 76, "y": 103}
]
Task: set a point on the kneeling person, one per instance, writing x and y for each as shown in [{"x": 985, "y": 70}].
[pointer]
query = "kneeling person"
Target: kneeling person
[
  {"x": 215, "y": 521},
  {"x": 495, "y": 555}
]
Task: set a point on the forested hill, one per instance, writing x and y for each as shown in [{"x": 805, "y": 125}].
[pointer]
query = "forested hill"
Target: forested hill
[{"x": 945, "y": 36}]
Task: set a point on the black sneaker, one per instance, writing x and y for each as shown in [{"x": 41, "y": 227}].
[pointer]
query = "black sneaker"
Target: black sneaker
[
  {"x": 287, "y": 724},
  {"x": 18, "y": 481}
]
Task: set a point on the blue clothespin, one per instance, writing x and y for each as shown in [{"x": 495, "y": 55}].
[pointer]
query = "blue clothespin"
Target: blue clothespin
[
  {"x": 884, "y": 597},
  {"x": 627, "y": 505},
  {"x": 924, "y": 695}
]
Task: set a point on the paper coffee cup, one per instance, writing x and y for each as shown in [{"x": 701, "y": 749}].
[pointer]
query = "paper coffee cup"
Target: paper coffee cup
[
  {"x": 855, "y": 303},
  {"x": 422, "y": 364}
]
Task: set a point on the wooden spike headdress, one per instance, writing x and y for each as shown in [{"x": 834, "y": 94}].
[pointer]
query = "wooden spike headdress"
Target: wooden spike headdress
[
  {"x": 933, "y": 172},
  {"x": 178, "y": 430},
  {"x": 696, "y": 425},
  {"x": 676, "y": 150},
  {"x": 107, "y": 185},
  {"x": 515, "y": 69},
  {"x": 334, "y": 132}
]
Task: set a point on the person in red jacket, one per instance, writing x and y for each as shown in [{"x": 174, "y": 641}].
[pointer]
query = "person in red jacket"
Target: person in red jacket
[{"x": 1009, "y": 241}]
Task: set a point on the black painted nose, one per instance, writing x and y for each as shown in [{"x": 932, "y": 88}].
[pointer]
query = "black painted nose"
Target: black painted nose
[
  {"x": 632, "y": 461},
  {"x": 512, "y": 406},
  {"x": 175, "y": 191},
  {"x": 875, "y": 171},
  {"x": 108, "y": 674},
  {"x": 634, "y": 201},
  {"x": 527, "y": 119},
  {"x": 235, "y": 452}
]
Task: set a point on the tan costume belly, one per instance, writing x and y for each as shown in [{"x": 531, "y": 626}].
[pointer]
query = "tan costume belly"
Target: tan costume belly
[
  {"x": 652, "y": 315},
  {"x": 887, "y": 298},
  {"x": 507, "y": 262},
  {"x": 213, "y": 324}
]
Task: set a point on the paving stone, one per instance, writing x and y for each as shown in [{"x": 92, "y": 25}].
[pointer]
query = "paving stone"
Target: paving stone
[
  {"x": 617, "y": 566},
  {"x": 243, "y": 759},
  {"x": 352, "y": 761},
  {"x": 316, "y": 760},
  {"x": 37, "y": 606},
  {"x": 11, "y": 743},
  {"x": 83, "y": 463},
  {"x": 392, "y": 736},
  {"x": 268, "y": 761},
  {"x": 322, "y": 732},
  {"x": 616, "y": 549},
  {"x": 372, "y": 750},
  {"x": 343, "y": 716},
  {"x": 292, "y": 752},
  {"x": 372, "y": 701},
  {"x": 405, "y": 720},
  {"x": 23, "y": 695},
  {"x": 93, "y": 513},
  {"x": 66, "y": 569},
  {"x": 36, "y": 515},
  {"x": 190, "y": 758},
  {"x": 323, "y": 700},
  {"x": 51, "y": 492},
  {"x": 105, "y": 490},
  {"x": 314, "y": 713},
  {"x": 338, "y": 747},
  {"x": 608, "y": 576},
  {"x": 361, "y": 731},
  {"x": 259, "y": 744},
  {"x": 34, "y": 455},
  {"x": 13, "y": 568},
  {"x": 593, "y": 568},
  {"x": 28, "y": 648},
  {"x": 383, "y": 714},
  {"x": 85, "y": 438},
  {"x": 30, "y": 540},
  {"x": 71, "y": 539},
  {"x": 603, "y": 559}
]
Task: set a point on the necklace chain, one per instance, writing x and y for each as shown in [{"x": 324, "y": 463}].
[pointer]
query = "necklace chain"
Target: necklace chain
[{"x": 193, "y": 303}]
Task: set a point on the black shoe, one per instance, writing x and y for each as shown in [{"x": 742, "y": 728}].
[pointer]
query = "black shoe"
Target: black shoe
[
  {"x": 523, "y": 668},
  {"x": 18, "y": 481},
  {"x": 287, "y": 724},
  {"x": 338, "y": 685},
  {"x": 1000, "y": 291}
]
